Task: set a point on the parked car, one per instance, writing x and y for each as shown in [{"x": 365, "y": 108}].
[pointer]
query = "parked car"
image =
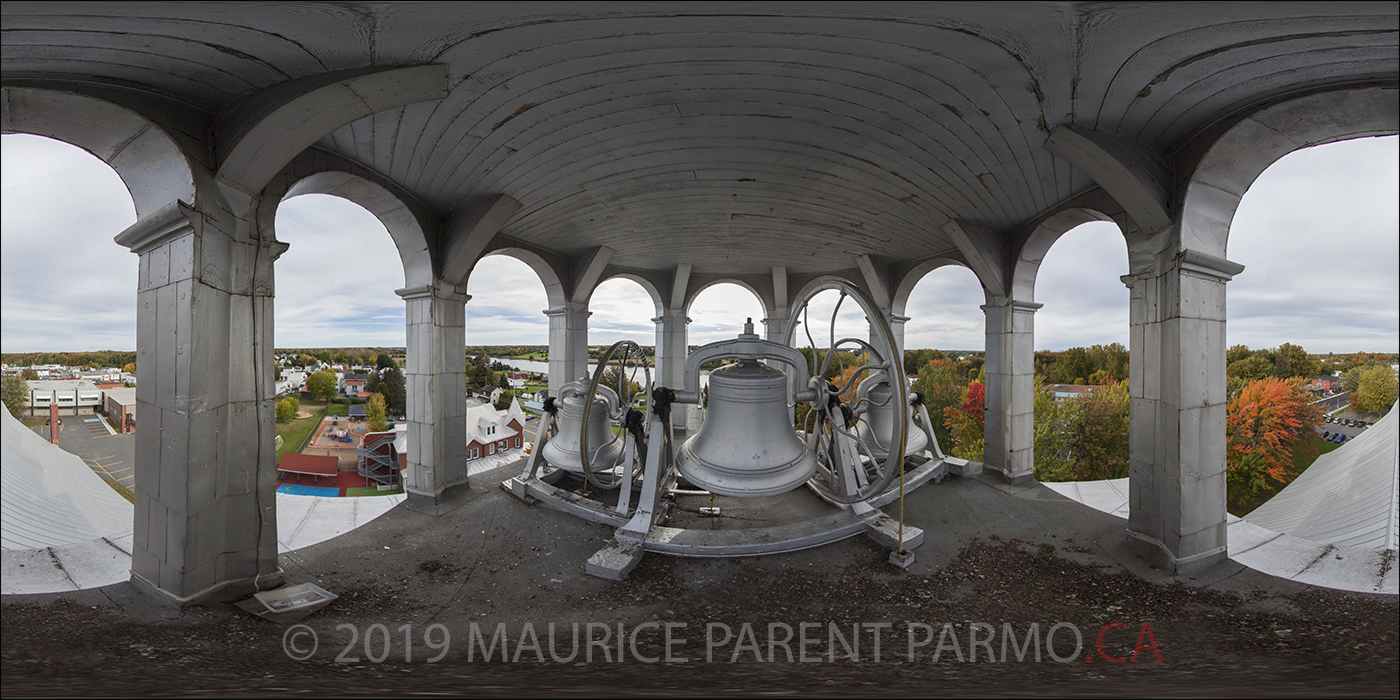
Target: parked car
[{"x": 1338, "y": 438}]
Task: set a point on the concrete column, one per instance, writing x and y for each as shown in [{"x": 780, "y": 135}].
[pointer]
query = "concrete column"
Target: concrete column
[
  {"x": 1009, "y": 429},
  {"x": 1177, "y": 412},
  {"x": 206, "y": 512},
  {"x": 896, "y": 327},
  {"x": 568, "y": 344},
  {"x": 672, "y": 345},
  {"x": 775, "y": 328},
  {"x": 436, "y": 387}
]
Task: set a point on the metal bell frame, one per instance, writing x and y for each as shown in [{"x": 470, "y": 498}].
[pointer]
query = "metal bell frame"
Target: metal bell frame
[{"x": 641, "y": 522}]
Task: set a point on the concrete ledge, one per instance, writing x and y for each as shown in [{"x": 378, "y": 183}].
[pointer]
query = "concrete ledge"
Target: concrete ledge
[
  {"x": 440, "y": 504},
  {"x": 1158, "y": 554},
  {"x": 1268, "y": 552},
  {"x": 225, "y": 592}
]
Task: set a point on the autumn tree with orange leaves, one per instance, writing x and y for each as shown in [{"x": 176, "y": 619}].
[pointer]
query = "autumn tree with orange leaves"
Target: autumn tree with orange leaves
[
  {"x": 967, "y": 421},
  {"x": 1264, "y": 423}
]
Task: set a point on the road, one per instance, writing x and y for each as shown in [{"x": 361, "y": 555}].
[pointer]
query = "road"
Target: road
[{"x": 1333, "y": 402}]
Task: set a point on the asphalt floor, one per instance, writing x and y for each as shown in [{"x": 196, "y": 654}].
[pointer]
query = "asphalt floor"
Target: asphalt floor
[
  {"x": 112, "y": 457},
  {"x": 452, "y": 573}
]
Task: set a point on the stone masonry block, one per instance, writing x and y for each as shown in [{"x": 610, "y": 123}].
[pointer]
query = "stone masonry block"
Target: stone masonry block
[
  {"x": 159, "y": 265},
  {"x": 147, "y": 467},
  {"x": 176, "y": 539},
  {"x": 1203, "y": 504},
  {"x": 145, "y": 564},
  {"x": 175, "y": 441},
  {"x": 167, "y": 359},
  {"x": 1202, "y": 298},
  {"x": 141, "y": 536},
  {"x": 156, "y": 517}
]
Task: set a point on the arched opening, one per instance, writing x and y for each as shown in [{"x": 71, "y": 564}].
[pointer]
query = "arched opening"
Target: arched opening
[
  {"x": 1084, "y": 301},
  {"x": 336, "y": 318},
  {"x": 622, "y": 309},
  {"x": 507, "y": 298},
  {"x": 945, "y": 349},
  {"x": 718, "y": 312},
  {"x": 1082, "y": 356},
  {"x": 67, "y": 294},
  {"x": 507, "y": 335},
  {"x": 336, "y": 282},
  {"x": 1315, "y": 308},
  {"x": 66, "y": 284}
]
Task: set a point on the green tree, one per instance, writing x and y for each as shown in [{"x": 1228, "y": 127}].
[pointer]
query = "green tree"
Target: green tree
[
  {"x": 385, "y": 361},
  {"x": 503, "y": 403},
  {"x": 1252, "y": 368},
  {"x": 1098, "y": 438},
  {"x": 14, "y": 392},
  {"x": 611, "y": 380},
  {"x": 321, "y": 385},
  {"x": 941, "y": 388},
  {"x": 1054, "y": 423},
  {"x": 28, "y": 373},
  {"x": 287, "y": 409},
  {"x": 1293, "y": 361},
  {"x": 129, "y": 368},
  {"x": 391, "y": 384},
  {"x": 374, "y": 413},
  {"x": 1375, "y": 391},
  {"x": 1237, "y": 353}
]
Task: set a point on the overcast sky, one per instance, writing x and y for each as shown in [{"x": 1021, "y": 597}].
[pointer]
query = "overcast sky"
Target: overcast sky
[{"x": 1317, "y": 234}]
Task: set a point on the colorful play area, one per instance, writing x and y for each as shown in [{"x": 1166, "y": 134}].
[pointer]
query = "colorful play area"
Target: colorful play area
[{"x": 329, "y": 466}]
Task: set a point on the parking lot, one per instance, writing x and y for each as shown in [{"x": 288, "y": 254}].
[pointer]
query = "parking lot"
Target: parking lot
[
  {"x": 1339, "y": 424},
  {"x": 112, "y": 457}
]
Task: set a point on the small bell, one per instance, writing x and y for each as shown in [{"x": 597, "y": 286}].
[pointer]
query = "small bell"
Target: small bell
[
  {"x": 875, "y": 425},
  {"x": 562, "y": 451}
]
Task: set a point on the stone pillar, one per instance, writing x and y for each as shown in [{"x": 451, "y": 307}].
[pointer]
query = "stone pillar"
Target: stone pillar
[
  {"x": 775, "y": 328},
  {"x": 1009, "y": 429},
  {"x": 206, "y": 510},
  {"x": 1177, "y": 413},
  {"x": 671, "y": 349},
  {"x": 436, "y": 389},
  {"x": 896, "y": 328},
  {"x": 568, "y": 344}
]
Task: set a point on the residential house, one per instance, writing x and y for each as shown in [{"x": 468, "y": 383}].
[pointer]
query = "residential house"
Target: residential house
[{"x": 490, "y": 431}]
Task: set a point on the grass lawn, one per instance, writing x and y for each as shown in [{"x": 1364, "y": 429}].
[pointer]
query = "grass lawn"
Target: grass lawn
[
  {"x": 122, "y": 490},
  {"x": 536, "y": 356},
  {"x": 295, "y": 433},
  {"x": 338, "y": 409},
  {"x": 370, "y": 491}
]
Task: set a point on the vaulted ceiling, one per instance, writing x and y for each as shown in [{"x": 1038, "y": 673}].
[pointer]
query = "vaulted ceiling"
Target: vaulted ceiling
[{"x": 734, "y": 137}]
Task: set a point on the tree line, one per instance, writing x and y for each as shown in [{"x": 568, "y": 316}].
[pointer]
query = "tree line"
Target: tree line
[
  {"x": 1270, "y": 414},
  {"x": 95, "y": 359},
  {"x": 302, "y": 357}
]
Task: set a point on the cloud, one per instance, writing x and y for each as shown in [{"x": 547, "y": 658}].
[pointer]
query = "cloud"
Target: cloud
[
  {"x": 65, "y": 285},
  {"x": 1318, "y": 234}
]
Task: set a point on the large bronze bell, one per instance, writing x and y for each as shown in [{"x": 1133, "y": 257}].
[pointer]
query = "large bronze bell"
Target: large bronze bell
[
  {"x": 747, "y": 446},
  {"x": 876, "y": 423},
  {"x": 562, "y": 451}
]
